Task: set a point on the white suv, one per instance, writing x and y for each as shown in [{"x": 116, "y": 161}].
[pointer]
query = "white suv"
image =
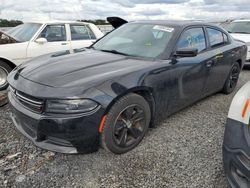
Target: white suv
[
  {"x": 33, "y": 39},
  {"x": 240, "y": 29}
]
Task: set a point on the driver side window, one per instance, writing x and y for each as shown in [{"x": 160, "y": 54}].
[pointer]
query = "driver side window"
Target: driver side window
[
  {"x": 192, "y": 38},
  {"x": 54, "y": 33}
]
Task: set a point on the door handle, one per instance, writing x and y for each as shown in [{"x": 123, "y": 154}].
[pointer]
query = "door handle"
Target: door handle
[
  {"x": 64, "y": 43},
  {"x": 209, "y": 63},
  {"x": 219, "y": 56}
]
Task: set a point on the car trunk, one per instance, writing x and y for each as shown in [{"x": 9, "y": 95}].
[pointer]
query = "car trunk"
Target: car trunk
[{"x": 116, "y": 21}]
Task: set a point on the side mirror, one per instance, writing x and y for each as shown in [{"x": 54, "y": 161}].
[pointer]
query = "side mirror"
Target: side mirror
[
  {"x": 186, "y": 52},
  {"x": 41, "y": 40}
]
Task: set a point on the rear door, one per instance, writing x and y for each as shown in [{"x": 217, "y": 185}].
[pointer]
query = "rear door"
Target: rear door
[
  {"x": 57, "y": 40},
  {"x": 220, "y": 62},
  {"x": 81, "y": 36}
]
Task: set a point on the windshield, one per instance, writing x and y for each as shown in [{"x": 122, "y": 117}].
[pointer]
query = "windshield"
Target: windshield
[
  {"x": 24, "y": 32},
  {"x": 135, "y": 39},
  {"x": 238, "y": 27}
]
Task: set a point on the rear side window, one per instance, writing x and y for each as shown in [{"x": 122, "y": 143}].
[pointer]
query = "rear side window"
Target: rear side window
[
  {"x": 81, "y": 32},
  {"x": 216, "y": 37},
  {"x": 193, "y": 38},
  {"x": 54, "y": 33}
]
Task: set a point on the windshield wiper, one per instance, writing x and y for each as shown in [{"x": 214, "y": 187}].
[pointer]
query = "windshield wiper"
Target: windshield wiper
[
  {"x": 90, "y": 47},
  {"x": 115, "y": 52}
]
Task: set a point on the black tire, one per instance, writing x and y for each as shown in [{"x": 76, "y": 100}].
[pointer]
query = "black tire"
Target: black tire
[
  {"x": 232, "y": 79},
  {"x": 5, "y": 69},
  {"x": 119, "y": 122}
]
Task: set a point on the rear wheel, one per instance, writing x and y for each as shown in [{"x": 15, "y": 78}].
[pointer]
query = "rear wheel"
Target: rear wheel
[
  {"x": 232, "y": 79},
  {"x": 126, "y": 124},
  {"x": 5, "y": 69}
]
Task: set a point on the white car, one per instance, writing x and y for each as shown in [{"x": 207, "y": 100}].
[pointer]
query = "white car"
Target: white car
[
  {"x": 240, "y": 29},
  {"x": 236, "y": 145},
  {"x": 33, "y": 39}
]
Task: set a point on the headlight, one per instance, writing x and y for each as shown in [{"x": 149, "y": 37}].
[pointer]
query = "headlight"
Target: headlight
[{"x": 70, "y": 106}]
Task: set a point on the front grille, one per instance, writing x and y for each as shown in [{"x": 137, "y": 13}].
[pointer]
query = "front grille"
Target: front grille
[
  {"x": 245, "y": 161},
  {"x": 28, "y": 101}
]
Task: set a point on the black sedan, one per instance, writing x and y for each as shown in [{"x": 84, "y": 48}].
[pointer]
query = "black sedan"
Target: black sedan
[{"x": 112, "y": 92}]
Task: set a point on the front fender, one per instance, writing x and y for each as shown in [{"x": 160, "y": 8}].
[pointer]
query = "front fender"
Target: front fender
[
  {"x": 12, "y": 62},
  {"x": 238, "y": 105},
  {"x": 15, "y": 52},
  {"x": 115, "y": 90}
]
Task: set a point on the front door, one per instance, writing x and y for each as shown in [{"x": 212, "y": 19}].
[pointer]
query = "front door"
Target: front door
[
  {"x": 56, "y": 41},
  {"x": 190, "y": 72}
]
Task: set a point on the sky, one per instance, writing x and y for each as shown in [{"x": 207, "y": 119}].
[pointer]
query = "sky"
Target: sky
[{"x": 28, "y": 10}]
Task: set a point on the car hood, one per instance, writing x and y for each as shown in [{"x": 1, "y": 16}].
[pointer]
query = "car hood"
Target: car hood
[
  {"x": 73, "y": 69},
  {"x": 242, "y": 37}
]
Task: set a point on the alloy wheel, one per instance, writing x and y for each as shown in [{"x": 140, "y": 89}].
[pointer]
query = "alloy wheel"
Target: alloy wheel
[
  {"x": 234, "y": 76},
  {"x": 129, "y": 126}
]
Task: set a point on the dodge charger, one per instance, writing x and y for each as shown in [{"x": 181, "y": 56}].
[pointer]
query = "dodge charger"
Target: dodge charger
[{"x": 109, "y": 94}]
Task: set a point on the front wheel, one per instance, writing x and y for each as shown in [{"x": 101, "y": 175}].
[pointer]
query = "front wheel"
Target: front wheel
[
  {"x": 126, "y": 124},
  {"x": 232, "y": 79},
  {"x": 5, "y": 69}
]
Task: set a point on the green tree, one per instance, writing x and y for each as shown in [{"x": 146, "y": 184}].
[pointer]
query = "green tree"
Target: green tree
[{"x": 9, "y": 23}]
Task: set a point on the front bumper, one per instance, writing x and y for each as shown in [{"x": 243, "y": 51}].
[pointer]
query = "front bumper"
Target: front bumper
[
  {"x": 57, "y": 132},
  {"x": 236, "y": 154},
  {"x": 247, "y": 63}
]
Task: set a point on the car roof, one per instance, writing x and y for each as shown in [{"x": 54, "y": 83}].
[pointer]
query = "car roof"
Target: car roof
[
  {"x": 177, "y": 23},
  {"x": 56, "y": 22}
]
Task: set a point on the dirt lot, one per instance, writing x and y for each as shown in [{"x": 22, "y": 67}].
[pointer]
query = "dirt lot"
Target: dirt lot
[{"x": 184, "y": 151}]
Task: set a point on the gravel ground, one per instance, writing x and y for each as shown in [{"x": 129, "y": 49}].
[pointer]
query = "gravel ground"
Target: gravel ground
[{"x": 184, "y": 151}]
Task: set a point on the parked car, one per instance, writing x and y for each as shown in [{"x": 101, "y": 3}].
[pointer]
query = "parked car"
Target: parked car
[
  {"x": 33, "y": 39},
  {"x": 236, "y": 146},
  {"x": 111, "y": 92},
  {"x": 240, "y": 29}
]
